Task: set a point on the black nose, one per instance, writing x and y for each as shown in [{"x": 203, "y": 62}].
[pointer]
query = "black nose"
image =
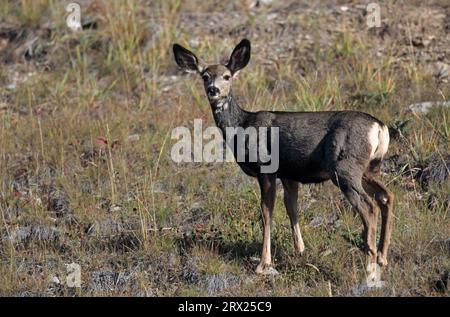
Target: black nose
[{"x": 212, "y": 91}]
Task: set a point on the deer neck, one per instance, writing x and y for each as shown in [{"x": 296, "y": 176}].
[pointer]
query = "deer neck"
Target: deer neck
[{"x": 227, "y": 112}]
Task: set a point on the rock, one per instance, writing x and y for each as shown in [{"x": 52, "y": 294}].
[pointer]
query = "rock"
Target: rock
[
  {"x": 160, "y": 187},
  {"x": 271, "y": 272},
  {"x": 40, "y": 233},
  {"x": 327, "y": 252},
  {"x": 196, "y": 207},
  {"x": 316, "y": 222},
  {"x": 194, "y": 42},
  {"x": 258, "y": 3},
  {"x": 191, "y": 276},
  {"x": 19, "y": 235},
  {"x": 425, "y": 107},
  {"x": 114, "y": 208},
  {"x": 106, "y": 228},
  {"x": 133, "y": 137},
  {"x": 213, "y": 283},
  {"x": 442, "y": 72},
  {"x": 272, "y": 16},
  {"x": 44, "y": 233},
  {"x": 216, "y": 283},
  {"x": 435, "y": 170},
  {"x": 55, "y": 280},
  {"x": 87, "y": 187},
  {"x": 28, "y": 294},
  {"x": 364, "y": 288},
  {"x": 58, "y": 203},
  {"x": 11, "y": 86},
  {"x": 323, "y": 221},
  {"x": 106, "y": 280},
  {"x": 419, "y": 42}
]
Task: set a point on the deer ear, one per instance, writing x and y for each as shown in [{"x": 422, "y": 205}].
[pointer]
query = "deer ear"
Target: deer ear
[
  {"x": 187, "y": 60},
  {"x": 240, "y": 57}
]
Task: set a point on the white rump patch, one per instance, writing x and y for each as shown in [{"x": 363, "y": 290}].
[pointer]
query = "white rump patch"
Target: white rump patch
[{"x": 379, "y": 140}]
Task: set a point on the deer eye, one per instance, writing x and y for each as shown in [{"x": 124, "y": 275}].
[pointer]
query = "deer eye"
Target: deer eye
[
  {"x": 226, "y": 77},
  {"x": 205, "y": 77}
]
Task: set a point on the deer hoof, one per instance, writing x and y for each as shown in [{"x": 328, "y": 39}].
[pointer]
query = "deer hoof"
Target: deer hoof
[
  {"x": 300, "y": 252},
  {"x": 300, "y": 249},
  {"x": 264, "y": 269},
  {"x": 381, "y": 260}
]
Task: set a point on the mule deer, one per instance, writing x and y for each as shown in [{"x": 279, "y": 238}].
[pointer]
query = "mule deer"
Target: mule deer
[{"x": 346, "y": 147}]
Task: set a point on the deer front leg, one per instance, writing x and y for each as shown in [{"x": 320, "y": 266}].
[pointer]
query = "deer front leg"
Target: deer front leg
[
  {"x": 290, "y": 202},
  {"x": 267, "y": 184}
]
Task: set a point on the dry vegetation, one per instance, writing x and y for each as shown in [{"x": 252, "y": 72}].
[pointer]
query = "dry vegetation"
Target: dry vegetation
[{"x": 85, "y": 168}]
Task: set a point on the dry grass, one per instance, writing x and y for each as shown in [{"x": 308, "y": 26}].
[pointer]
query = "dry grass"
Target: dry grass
[{"x": 85, "y": 167}]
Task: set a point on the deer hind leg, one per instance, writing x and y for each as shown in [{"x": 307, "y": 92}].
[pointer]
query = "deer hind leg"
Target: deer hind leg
[
  {"x": 267, "y": 184},
  {"x": 384, "y": 200},
  {"x": 290, "y": 202},
  {"x": 351, "y": 186}
]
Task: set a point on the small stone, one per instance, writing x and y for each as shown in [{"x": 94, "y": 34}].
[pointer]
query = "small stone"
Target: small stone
[
  {"x": 320, "y": 221},
  {"x": 218, "y": 282},
  {"x": 58, "y": 203},
  {"x": 114, "y": 208},
  {"x": 109, "y": 280},
  {"x": 11, "y": 86},
  {"x": 106, "y": 228},
  {"x": 195, "y": 42},
  {"x": 271, "y": 271},
  {"x": 160, "y": 187},
  {"x": 425, "y": 107},
  {"x": 316, "y": 222},
  {"x": 327, "y": 252},
  {"x": 435, "y": 170},
  {"x": 55, "y": 280},
  {"x": 133, "y": 138},
  {"x": 442, "y": 71},
  {"x": 39, "y": 233},
  {"x": 271, "y": 16},
  {"x": 254, "y": 259},
  {"x": 196, "y": 206},
  {"x": 20, "y": 234}
]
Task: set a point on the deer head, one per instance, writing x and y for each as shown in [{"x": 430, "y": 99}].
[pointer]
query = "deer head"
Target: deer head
[{"x": 217, "y": 78}]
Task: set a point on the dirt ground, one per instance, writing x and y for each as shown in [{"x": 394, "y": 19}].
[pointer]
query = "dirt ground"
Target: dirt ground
[{"x": 86, "y": 174}]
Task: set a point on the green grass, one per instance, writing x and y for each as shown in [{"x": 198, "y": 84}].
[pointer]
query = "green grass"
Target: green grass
[{"x": 69, "y": 127}]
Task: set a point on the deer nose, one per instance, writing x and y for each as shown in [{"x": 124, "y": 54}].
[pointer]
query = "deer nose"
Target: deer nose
[{"x": 212, "y": 91}]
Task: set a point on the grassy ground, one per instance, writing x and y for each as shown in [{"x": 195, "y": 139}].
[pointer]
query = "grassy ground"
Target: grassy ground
[{"x": 85, "y": 168}]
